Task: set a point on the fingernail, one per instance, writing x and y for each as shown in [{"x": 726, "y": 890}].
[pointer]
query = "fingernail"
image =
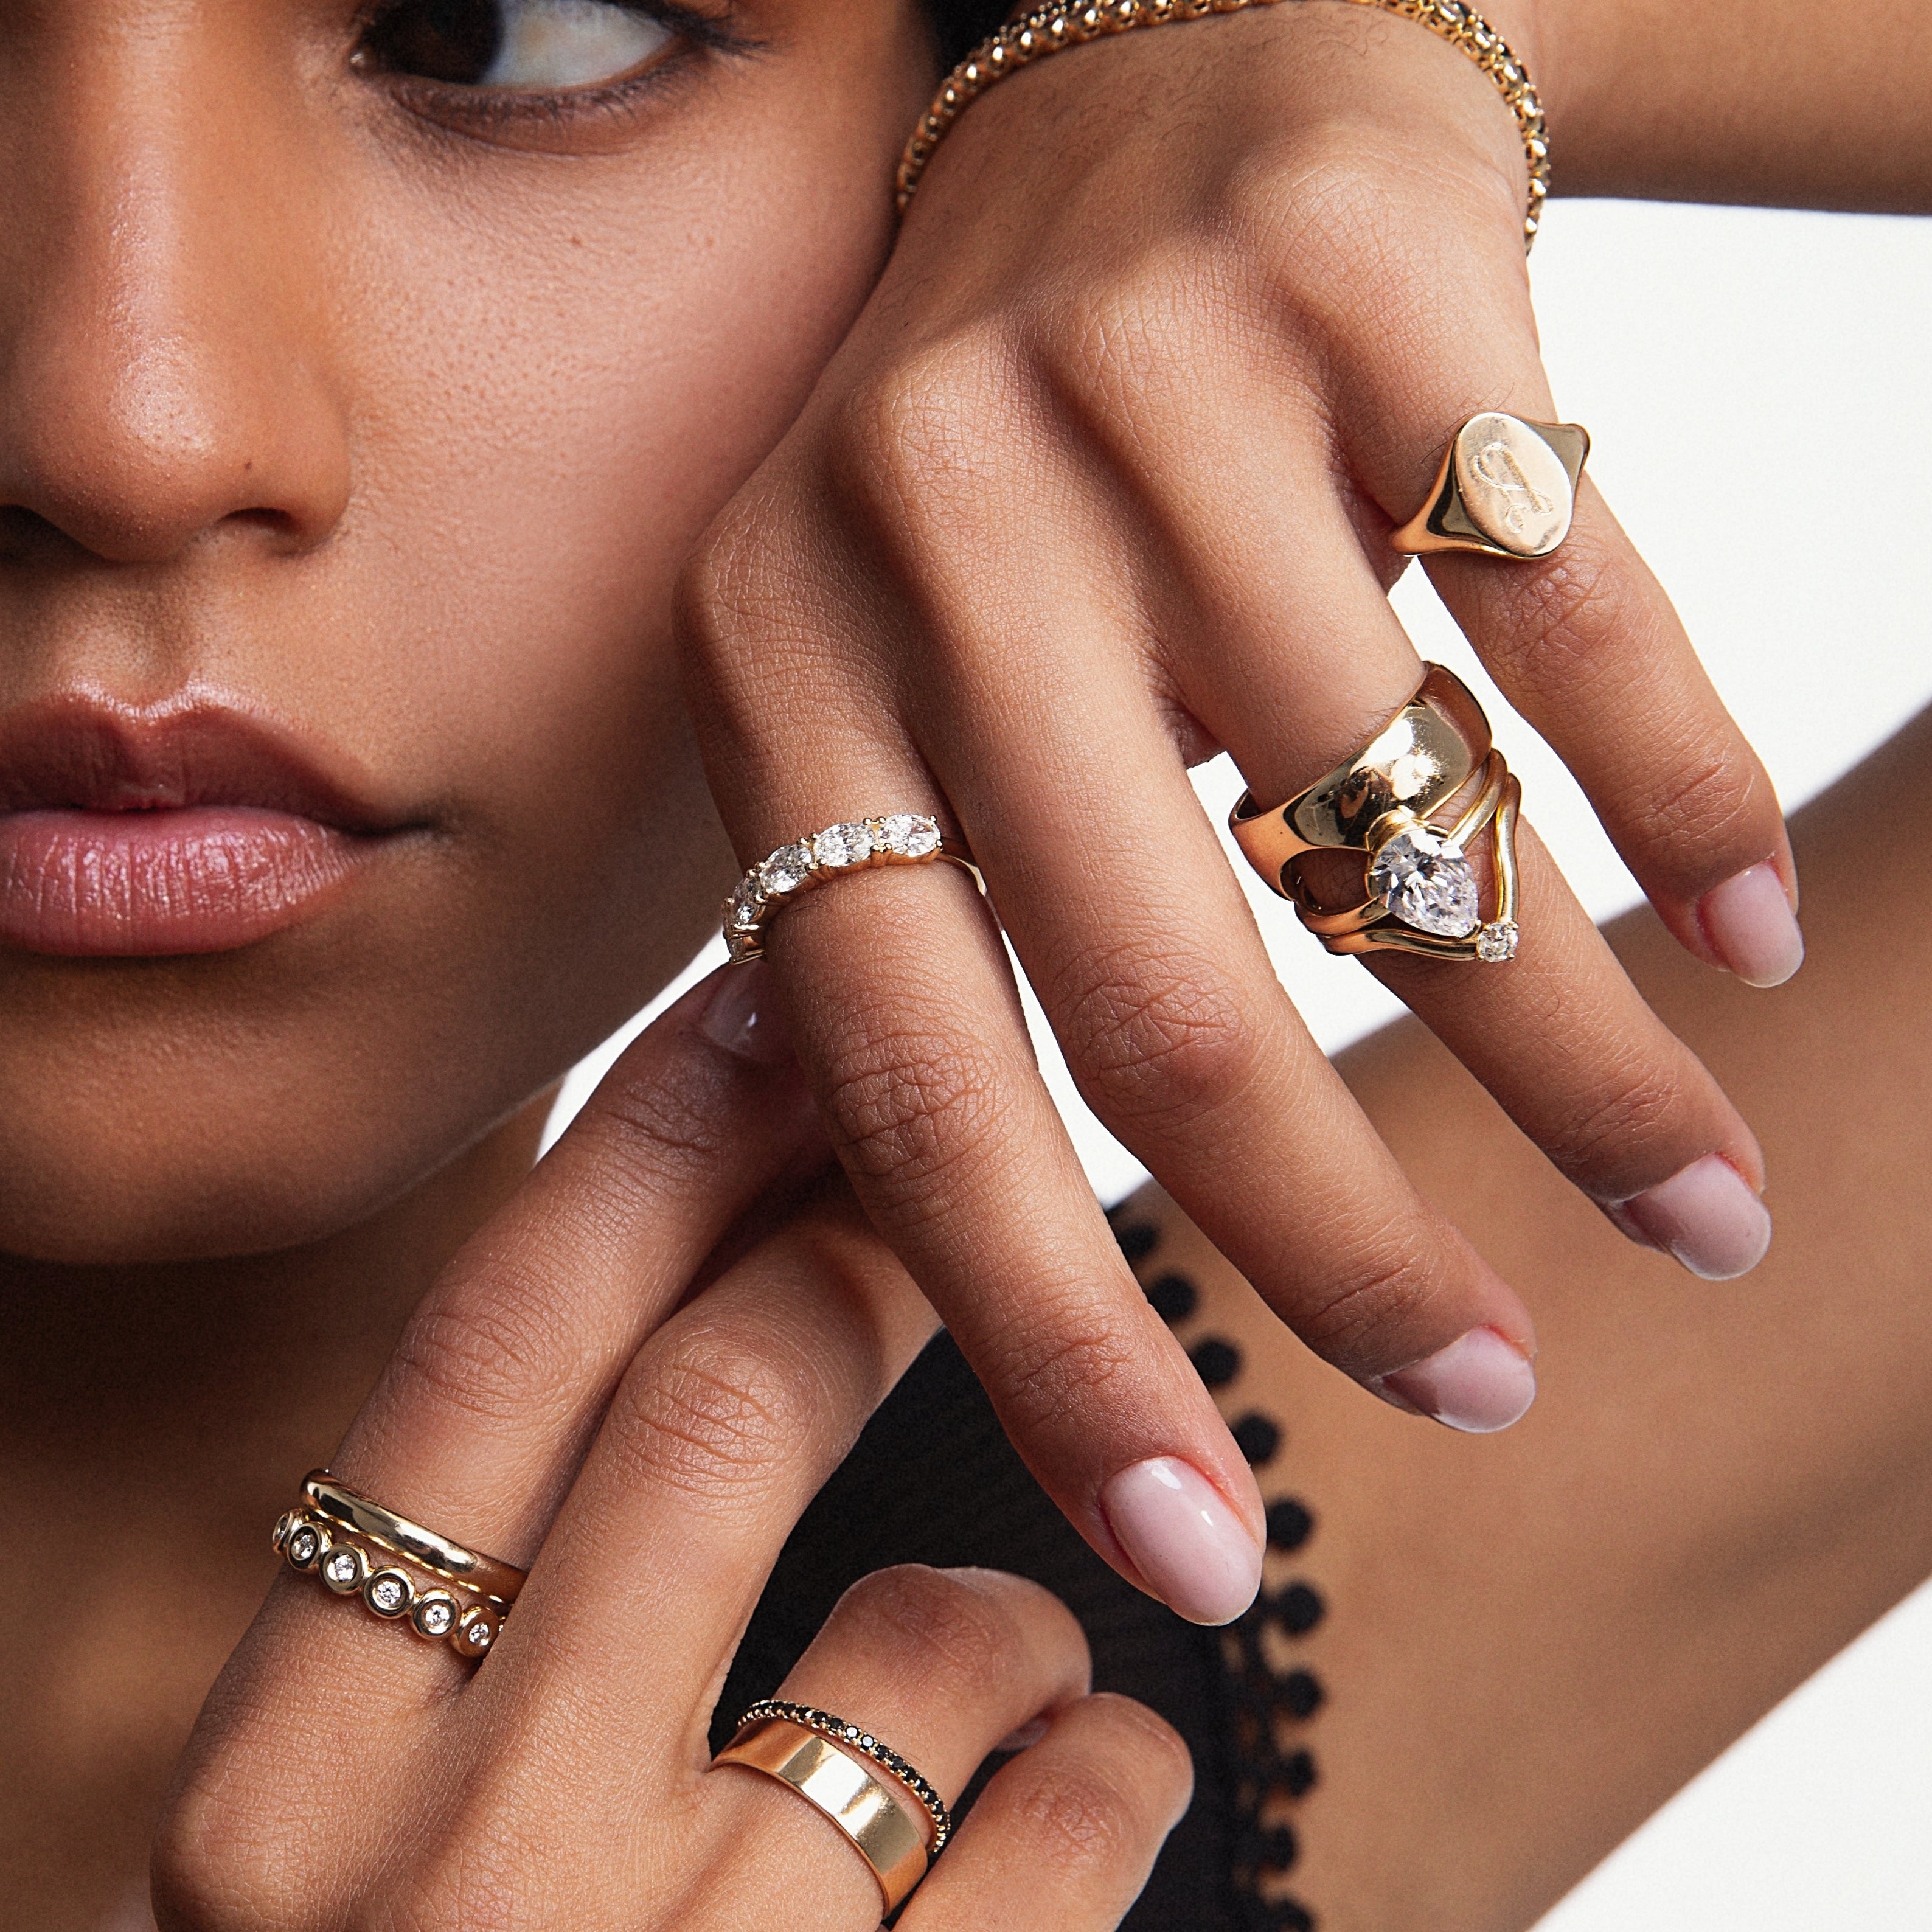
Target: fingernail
[
  {"x": 1480, "y": 1383},
  {"x": 1708, "y": 1217},
  {"x": 1191, "y": 1548},
  {"x": 1025, "y": 1738},
  {"x": 742, "y": 1016},
  {"x": 1752, "y": 928}
]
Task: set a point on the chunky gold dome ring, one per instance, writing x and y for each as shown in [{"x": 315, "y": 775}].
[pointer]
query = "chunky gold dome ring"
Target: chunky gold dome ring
[
  {"x": 1507, "y": 488},
  {"x": 1388, "y": 802}
]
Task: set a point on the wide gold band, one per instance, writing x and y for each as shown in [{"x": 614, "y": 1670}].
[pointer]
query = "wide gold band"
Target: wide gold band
[
  {"x": 891, "y": 1837},
  {"x": 1381, "y": 802},
  {"x": 1508, "y": 487}
]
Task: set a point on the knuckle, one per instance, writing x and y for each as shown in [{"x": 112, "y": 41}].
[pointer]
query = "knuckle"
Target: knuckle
[
  {"x": 228, "y": 1859},
  {"x": 1080, "y": 1815},
  {"x": 941, "y": 1621},
  {"x": 492, "y": 1360},
  {"x": 1704, "y": 806},
  {"x": 1060, "y": 1364},
  {"x": 1154, "y": 1036},
  {"x": 1634, "y": 1105},
  {"x": 907, "y": 1104},
  {"x": 1569, "y": 615},
  {"x": 1384, "y": 1291},
  {"x": 712, "y": 1415}
]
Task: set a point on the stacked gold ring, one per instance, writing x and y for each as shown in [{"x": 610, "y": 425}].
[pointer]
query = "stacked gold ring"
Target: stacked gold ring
[
  {"x": 337, "y": 1504},
  {"x": 355, "y": 1547},
  {"x": 824, "y": 1759},
  {"x": 1383, "y": 802}
]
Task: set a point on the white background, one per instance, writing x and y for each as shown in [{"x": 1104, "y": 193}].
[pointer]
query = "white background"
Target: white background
[{"x": 1759, "y": 390}]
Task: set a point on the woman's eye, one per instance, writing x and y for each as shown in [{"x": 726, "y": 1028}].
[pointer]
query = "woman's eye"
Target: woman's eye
[{"x": 535, "y": 45}]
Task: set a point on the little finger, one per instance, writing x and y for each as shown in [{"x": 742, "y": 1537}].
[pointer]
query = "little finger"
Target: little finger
[{"x": 1066, "y": 1834}]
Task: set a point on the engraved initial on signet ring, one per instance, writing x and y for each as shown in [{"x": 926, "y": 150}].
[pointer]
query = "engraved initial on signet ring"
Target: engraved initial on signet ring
[{"x": 1507, "y": 488}]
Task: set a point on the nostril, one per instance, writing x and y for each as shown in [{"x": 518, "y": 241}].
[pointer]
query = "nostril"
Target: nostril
[
  {"x": 279, "y": 521},
  {"x": 26, "y": 535}
]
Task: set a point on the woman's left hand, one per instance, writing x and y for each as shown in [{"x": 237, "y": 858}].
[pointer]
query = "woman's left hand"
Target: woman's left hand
[{"x": 1178, "y": 328}]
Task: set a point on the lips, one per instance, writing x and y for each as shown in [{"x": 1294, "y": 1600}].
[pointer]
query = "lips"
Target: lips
[{"x": 138, "y": 834}]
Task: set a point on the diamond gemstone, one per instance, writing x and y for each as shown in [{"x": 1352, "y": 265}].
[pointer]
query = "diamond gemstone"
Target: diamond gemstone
[
  {"x": 1496, "y": 942},
  {"x": 480, "y": 1632},
  {"x": 436, "y": 1617},
  {"x": 743, "y": 908},
  {"x": 388, "y": 1593},
  {"x": 1427, "y": 882},
  {"x": 784, "y": 871},
  {"x": 303, "y": 1543},
  {"x": 341, "y": 1568},
  {"x": 910, "y": 834},
  {"x": 843, "y": 845}
]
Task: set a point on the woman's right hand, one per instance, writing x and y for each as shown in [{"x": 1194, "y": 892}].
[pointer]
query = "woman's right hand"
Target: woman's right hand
[{"x": 563, "y": 1397}]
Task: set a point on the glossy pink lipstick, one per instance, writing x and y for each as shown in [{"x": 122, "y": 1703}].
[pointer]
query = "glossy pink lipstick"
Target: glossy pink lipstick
[{"x": 135, "y": 835}]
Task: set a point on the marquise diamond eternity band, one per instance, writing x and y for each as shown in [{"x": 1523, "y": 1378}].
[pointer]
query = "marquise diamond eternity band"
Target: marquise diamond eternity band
[{"x": 859, "y": 845}]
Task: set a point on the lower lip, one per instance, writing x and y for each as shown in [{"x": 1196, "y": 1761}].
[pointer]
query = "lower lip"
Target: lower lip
[{"x": 141, "y": 884}]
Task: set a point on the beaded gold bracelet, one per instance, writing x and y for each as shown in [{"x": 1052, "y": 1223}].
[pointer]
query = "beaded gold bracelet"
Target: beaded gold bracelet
[{"x": 1048, "y": 29}]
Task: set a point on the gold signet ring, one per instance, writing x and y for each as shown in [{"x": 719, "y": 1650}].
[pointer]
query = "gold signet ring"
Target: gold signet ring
[{"x": 1507, "y": 488}]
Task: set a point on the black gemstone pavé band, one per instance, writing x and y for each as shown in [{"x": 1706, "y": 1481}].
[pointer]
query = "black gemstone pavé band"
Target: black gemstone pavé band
[{"x": 854, "y": 1737}]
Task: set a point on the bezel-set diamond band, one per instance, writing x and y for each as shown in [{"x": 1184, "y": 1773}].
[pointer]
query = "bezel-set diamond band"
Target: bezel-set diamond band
[
  {"x": 401, "y": 1570},
  {"x": 1385, "y": 803},
  {"x": 354, "y": 1566},
  {"x": 854, "y": 845}
]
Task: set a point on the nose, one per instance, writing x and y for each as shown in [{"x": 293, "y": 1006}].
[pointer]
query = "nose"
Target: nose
[{"x": 164, "y": 359}]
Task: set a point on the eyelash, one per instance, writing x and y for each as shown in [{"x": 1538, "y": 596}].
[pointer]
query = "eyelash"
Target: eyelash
[{"x": 485, "y": 109}]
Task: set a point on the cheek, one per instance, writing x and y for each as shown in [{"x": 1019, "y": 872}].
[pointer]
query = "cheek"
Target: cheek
[{"x": 556, "y": 370}]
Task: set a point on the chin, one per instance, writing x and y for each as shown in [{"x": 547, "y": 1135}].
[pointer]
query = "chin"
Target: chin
[{"x": 173, "y": 1172}]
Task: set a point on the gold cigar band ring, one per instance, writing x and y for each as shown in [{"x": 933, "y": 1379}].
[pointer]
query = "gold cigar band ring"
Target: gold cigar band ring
[
  {"x": 1385, "y": 802},
  {"x": 1507, "y": 488},
  {"x": 898, "y": 838},
  {"x": 829, "y": 1763}
]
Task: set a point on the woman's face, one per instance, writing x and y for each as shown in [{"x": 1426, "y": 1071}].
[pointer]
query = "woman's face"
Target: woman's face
[{"x": 366, "y": 372}]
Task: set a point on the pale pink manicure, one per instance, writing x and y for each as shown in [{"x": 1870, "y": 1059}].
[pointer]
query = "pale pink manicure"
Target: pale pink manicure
[
  {"x": 1192, "y": 1550},
  {"x": 1708, "y": 1217},
  {"x": 1480, "y": 1383},
  {"x": 743, "y": 1014},
  {"x": 1751, "y": 927}
]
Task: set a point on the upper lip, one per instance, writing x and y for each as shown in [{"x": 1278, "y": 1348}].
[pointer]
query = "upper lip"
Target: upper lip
[{"x": 87, "y": 754}]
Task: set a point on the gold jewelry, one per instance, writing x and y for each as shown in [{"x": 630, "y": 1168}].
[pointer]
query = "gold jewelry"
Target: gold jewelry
[
  {"x": 341, "y": 1507},
  {"x": 353, "y": 1566},
  {"x": 1049, "y": 28},
  {"x": 1380, "y": 802},
  {"x": 820, "y": 1757},
  {"x": 898, "y": 838},
  {"x": 1508, "y": 487}
]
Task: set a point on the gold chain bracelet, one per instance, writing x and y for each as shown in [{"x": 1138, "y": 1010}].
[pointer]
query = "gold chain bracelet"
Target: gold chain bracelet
[{"x": 1048, "y": 29}]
